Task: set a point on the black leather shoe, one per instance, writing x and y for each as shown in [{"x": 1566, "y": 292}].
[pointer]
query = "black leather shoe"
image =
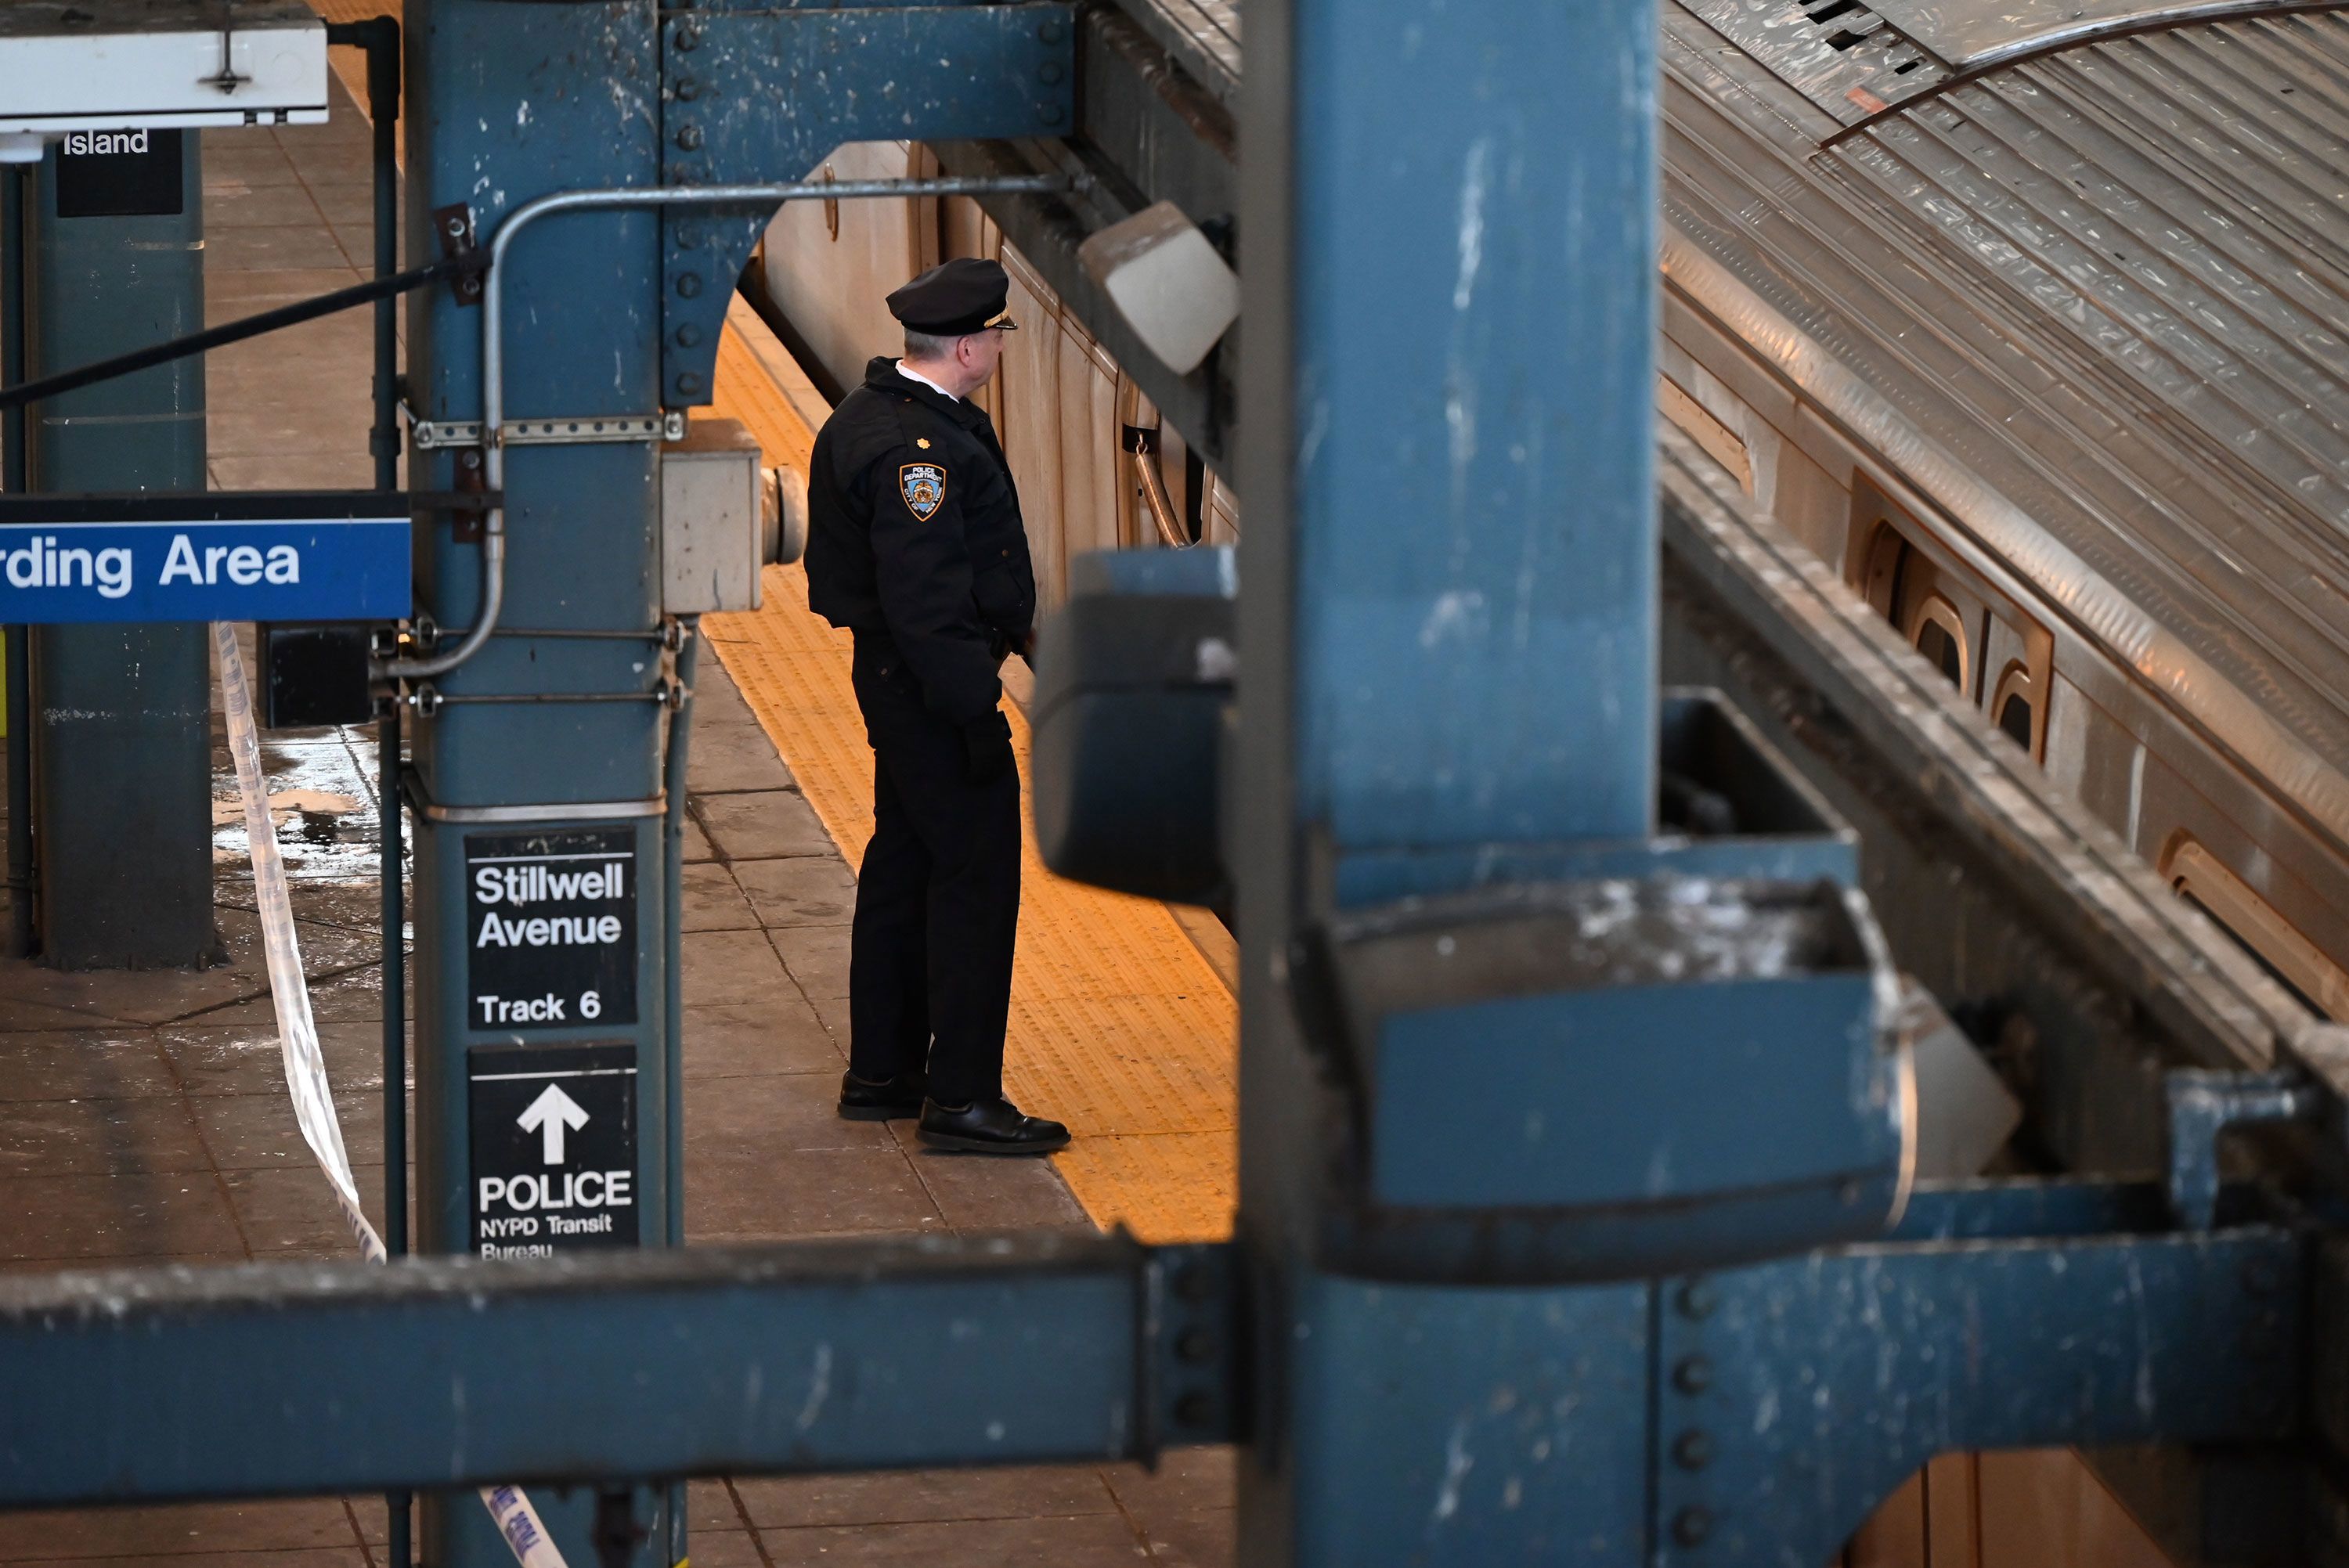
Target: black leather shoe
[
  {"x": 888, "y": 1099},
  {"x": 988, "y": 1126}
]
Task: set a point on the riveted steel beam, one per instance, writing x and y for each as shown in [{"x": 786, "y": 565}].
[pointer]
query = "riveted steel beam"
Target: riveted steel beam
[
  {"x": 623, "y": 1366},
  {"x": 1795, "y": 1397},
  {"x": 757, "y": 96}
]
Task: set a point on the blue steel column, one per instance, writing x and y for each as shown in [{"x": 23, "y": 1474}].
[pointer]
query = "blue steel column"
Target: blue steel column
[
  {"x": 1474, "y": 517},
  {"x": 506, "y": 103},
  {"x": 1448, "y": 638},
  {"x": 123, "y": 758}
]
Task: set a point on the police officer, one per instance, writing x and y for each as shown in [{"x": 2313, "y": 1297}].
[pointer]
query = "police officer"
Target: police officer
[{"x": 914, "y": 544}]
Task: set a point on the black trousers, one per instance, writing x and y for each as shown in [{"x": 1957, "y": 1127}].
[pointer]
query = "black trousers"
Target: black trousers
[{"x": 937, "y": 899}]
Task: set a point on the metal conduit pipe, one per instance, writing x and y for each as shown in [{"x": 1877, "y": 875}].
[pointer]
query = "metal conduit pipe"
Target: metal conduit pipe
[
  {"x": 398, "y": 1519},
  {"x": 1154, "y": 498},
  {"x": 675, "y": 791},
  {"x": 493, "y": 413},
  {"x": 493, "y": 602},
  {"x": 428, "y": 700}
]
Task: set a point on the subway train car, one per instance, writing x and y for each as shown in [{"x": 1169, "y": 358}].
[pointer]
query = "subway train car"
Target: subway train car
[{"x": 2029, "y": 319}]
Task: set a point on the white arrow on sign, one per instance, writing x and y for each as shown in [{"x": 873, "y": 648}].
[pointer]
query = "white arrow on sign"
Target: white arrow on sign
[{"x": 549, "y": 1115}]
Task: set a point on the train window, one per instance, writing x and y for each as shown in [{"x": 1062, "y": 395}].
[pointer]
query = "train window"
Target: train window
[
  {"x": 2012, "y": 706},
  {"x": 1194, "y": 493},
  {"x": 1904, "y": 587},
  {"x": 1939, "y": 634},
  {"x": 1984, "y": 642},
  {"x": 2014, "y": 718},
  {"x": 1879, "y": 581},
  {"x": 2233, "y": 904}
]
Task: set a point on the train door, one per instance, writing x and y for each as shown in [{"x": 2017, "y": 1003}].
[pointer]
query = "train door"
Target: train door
[
  {"x": 1995, "y": 655},
  {"x": 1026, "y": 409},
  {"x": 1097, "y": 502},
  {"x": 828, "y": 266},
  {"x": 1057, "y": 409},
  {"x": 962, "y": 228}
]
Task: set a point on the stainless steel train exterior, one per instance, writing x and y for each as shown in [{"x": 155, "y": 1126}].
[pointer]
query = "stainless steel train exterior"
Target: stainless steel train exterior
[
  {"x": 2027, "y": 318},
  {"x": 2030, "y": 319}
]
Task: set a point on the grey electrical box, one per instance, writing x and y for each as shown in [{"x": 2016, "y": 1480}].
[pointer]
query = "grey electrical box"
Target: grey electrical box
[{"x": 713, "y": 516}]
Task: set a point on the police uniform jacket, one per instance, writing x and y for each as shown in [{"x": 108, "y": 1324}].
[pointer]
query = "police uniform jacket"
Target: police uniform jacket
[{"x": 914, "y": 534}]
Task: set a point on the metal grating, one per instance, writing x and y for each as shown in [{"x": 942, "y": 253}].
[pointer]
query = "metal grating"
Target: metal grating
[
  {"x": 1976, "y": 35},
  {"x": 1204, "y": 36},
  {"x": 1842, "y": 55}
]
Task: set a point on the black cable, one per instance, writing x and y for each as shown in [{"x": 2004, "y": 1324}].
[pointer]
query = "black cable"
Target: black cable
[{"x": 251, "y": 326}]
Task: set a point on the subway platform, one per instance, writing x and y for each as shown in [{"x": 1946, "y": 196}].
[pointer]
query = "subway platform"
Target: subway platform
[{"x": 144, "y": 1117}]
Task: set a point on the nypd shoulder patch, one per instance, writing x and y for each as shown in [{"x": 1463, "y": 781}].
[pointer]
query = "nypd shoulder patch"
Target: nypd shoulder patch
[{"x": 924, "y": 486}]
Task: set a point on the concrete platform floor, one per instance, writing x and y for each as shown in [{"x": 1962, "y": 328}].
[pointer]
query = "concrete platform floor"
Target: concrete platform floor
[{"x": 143, "y": 1116}]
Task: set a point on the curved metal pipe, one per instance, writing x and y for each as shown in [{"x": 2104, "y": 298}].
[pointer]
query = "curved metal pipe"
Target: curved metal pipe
[
  {"x": 494, "y": 398},
  {"x": 493, "y": 601},
  {"x": 1977, "y": 50},
  {"x": 1161, "y": 504},
  {"x": 1154, "y": 498}
]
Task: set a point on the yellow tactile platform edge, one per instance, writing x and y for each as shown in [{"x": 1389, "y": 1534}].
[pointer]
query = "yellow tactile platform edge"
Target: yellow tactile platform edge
[{"x": 1118, "y": 1026}]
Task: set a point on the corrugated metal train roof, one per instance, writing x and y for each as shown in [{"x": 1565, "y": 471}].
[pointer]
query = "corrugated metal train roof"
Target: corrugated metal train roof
[{"x": 2111, "y": 281}]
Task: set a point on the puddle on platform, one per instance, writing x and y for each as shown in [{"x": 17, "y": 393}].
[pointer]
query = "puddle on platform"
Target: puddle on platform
[{"x": 320, "y": 805}]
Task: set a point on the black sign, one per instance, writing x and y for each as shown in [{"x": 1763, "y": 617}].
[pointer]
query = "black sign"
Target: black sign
[
  {"x": 551, "y": 929},
  {"x": 120, "y": 174},
  {"x": 554, "y": 1148}
]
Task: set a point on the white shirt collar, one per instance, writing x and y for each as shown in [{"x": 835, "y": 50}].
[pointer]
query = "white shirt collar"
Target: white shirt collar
[{"x": 911, "y": 375}]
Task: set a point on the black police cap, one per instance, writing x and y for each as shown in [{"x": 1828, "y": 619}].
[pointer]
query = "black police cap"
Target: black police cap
[{"x": 962, "y": 295}]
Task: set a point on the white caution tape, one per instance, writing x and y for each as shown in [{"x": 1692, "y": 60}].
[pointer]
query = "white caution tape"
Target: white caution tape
[
  {"x": 519, "y": 1522},
  {"x": 297, "y": 1036}
]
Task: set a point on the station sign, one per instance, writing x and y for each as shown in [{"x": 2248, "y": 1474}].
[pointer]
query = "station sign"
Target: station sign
[
  {"x": 133, "y": 172},
  {"x": 551, "y": 929},
  {"x": 326, "y": 556},
  {"x": 554, "y": 1145}
]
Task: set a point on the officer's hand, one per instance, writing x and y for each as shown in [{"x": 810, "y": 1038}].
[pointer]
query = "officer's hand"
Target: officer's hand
[{"x": 987, "y": 748}]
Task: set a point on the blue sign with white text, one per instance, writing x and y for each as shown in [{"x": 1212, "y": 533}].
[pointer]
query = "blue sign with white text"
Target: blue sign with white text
[{"x": 80, "y": 564}]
